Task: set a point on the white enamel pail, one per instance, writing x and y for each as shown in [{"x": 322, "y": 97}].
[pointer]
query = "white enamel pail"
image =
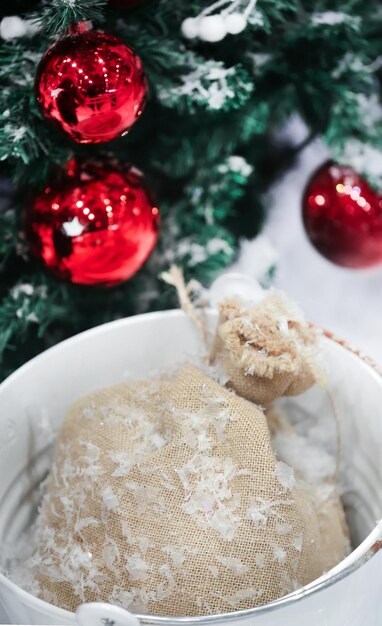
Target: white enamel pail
[{"x": 349, "y": 595}]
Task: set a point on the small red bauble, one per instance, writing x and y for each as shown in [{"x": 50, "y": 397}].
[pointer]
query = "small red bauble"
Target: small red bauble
[
  {"x": 343, "y": 217},
  {"x": 96, "y": 227},
  {"x": 91, "y": 85}
]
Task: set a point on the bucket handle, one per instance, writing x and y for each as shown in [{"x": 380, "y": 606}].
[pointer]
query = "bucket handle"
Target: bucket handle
[{"x": 103, "y": 614}]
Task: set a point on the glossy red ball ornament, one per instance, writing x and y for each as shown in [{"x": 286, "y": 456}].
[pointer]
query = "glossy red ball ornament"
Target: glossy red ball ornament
[
  {"x": 91, "y": 85},
  {"x": 343, "y": 217},
  {"x": 97, "y": 226}
]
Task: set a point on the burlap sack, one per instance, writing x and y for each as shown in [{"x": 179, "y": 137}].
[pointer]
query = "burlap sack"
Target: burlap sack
[
  {"x": 267, "y": 350},
  {"x": 171, "y": 502}
]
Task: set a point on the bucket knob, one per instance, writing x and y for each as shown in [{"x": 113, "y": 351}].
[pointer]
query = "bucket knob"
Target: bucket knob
[{"x": 102, "y": 614}]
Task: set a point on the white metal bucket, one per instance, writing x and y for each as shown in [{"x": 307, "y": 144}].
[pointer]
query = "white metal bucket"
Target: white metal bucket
[{"x": 350, "y": 595}]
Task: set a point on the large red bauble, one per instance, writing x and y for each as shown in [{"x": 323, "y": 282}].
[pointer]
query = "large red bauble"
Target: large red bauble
[
  {"x": 343, "y": 217},
  {"x": 91, "y": 85},
  {"x": 96, "y": 227}
]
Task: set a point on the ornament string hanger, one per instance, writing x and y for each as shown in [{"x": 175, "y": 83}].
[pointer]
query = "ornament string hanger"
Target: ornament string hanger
[
  {"x": 77, "y": 28},
  {"x": 222, "y": 18}
]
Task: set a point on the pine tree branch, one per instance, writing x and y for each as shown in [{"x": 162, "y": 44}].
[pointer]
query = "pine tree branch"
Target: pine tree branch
[
  {"x": 8, "y": 236},
  {"x": 29, "y": 304},
  {"x": 59, "y": 15},
  {"x": 319, "y": 59}
]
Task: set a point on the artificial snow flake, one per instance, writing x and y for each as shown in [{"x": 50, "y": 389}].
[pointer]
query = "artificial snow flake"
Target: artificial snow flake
[
  {"x": 74, "y": 228},
  {"x": 332, "y": 18},
  {"x": 22, "y": 289},
  {"x": 364, "y": 158},
  {"x": 307, "y": 458},
  {"x": 351, "y": 62},
  {"x": 297, "y": 543},
  {"x": 260, "y": 560},
  {"x": 16, "y": 133},
  {"x": 178, "y": 555},
  {"x": 199, "y": 254},
  {"x": 110, "y": 553},
  {"x": 283, "y": 529},
  {"x": 279, "y": 554},
  {"x": 208, "y": 496},
  {"x": 146, "y": 497},
  {"x": 210, "y": 85},
  {"x": 236, "y": 163},
  {"x": 216, "y": 245},
  {"x": 261, "y": 509},
  {"x": 55, "y": 93},
  {"x": 92, "y": 452},
  {"x": 32, "y": 317},
  {"x": 137, "y": 567},
  {"x": 122, "y": 598},
  {"x": 214, "y": 570},
  {"x": 259, "y": 59},
  {"x": 124, "y": 461},
  {"x": 243, "y": 594},
  {"x": 85, "y": 523},
  {"x": 110, "y": 500},
  {"x": 255, "y": 18},
  {"x": 233, "y": 564},
  {"x": 285, "y": 475},
  {"x": 370, "y": 109}
]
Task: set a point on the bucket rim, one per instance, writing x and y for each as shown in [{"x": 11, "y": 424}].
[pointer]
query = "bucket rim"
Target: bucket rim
[{"x": 368, "y": 548}]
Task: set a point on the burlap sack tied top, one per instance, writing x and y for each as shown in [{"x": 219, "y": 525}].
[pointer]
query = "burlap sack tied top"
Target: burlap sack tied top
[
  {"x": 166, "y": 497},
  {"x": 267, "y": 350}
]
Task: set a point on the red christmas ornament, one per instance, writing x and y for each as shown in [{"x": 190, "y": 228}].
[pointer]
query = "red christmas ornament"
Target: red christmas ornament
[
  {"x": 97, "y": 227},
  {"x": 91, "y": 85},
  {"x": 343, "y": 217}
]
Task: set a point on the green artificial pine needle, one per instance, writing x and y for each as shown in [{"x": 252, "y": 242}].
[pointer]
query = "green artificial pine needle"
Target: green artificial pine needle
[
  {"x": 60, "y": 14},
  {"x": 205, "y": 141}
]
